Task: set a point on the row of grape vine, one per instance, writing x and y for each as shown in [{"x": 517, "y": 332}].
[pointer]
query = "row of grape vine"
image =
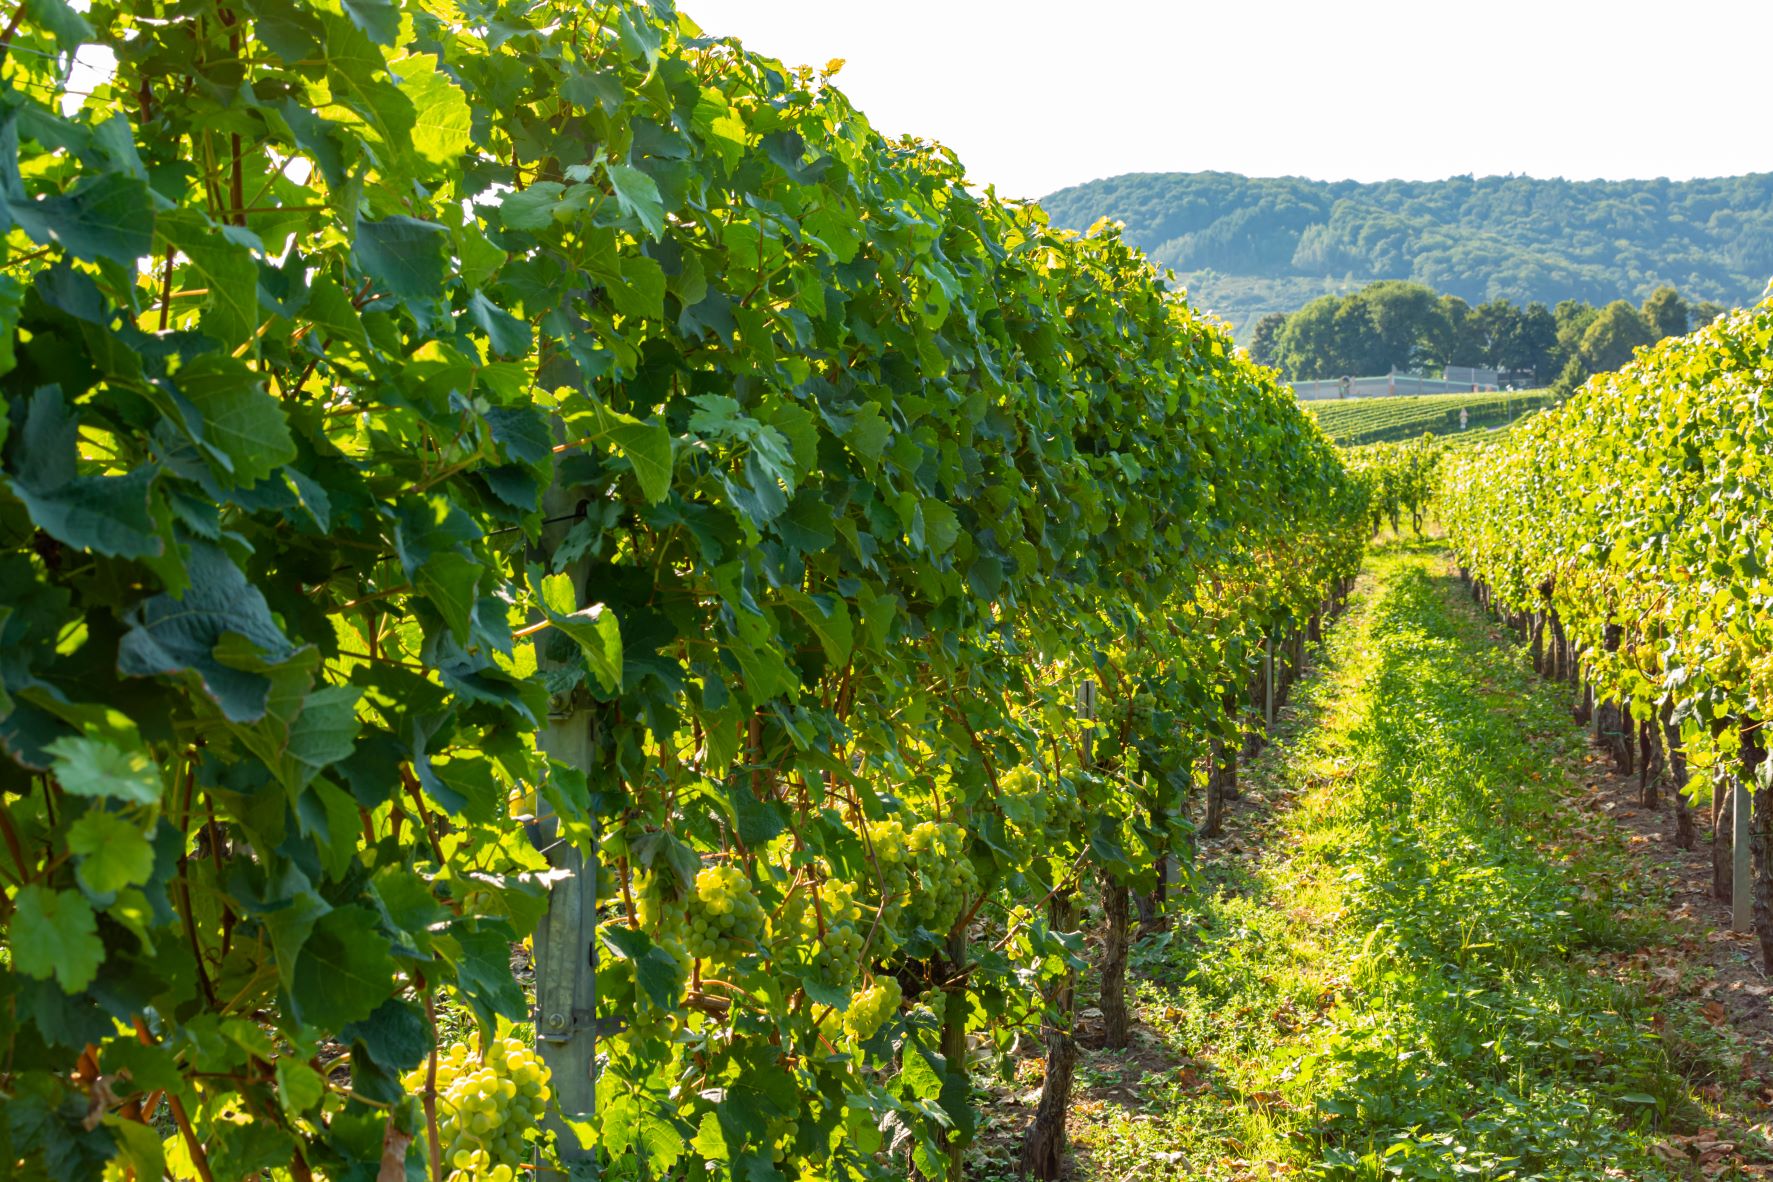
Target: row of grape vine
[
  {"x": 1398, "y": 478},
  {"x": 389, "y": 384},
  {"x": 1625, "y": 535}
]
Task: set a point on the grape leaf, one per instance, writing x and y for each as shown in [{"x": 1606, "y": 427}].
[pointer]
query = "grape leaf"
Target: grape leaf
[
  {"x": 639, "y": 197},
  {"x": 60, "y": 18},
  {"x": 647, "y": 447},
  {"x": 54, "y": 933},
  {"x": 105, "y": 217},
  {"x": 405, "y": 256},
  {"x": 344, "y": 971},
  {"x": 396, "y": 1035},
  {"x": 113, "y": 852},
  {"x": 226, "y": 269},
  {"x": 379, "y": 19},
  {"x": 106, "y": 514},
  {"x": 87, "y": 766},
  {"x": 507, "y": 334},
  {"x": 484, "y": 972},
  {"x": 171, "y": 634},
  {"x": 594, "y": 629},
  {"x": 442, "y": 125},
  {"x": 241, "y": 420},
  {"x": 299, "y": 1086},
  {"x": 657, "y": 972}
]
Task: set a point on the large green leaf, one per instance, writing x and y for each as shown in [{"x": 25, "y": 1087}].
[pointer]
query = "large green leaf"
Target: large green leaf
[
  {"x": 106, "y": 514},
  {"x": 54, "y": 934},
  {"x": 594, "y": 629},
  {"x": 105, "y": 217},
  {"x": 345, "y": 970},
  {"x": 507, "y": 334},
  {"x": 645, "y": 445},
  {"x": 241, "y": 421},
  {"x": 173, "y": 634},
  {"x": 659, "y": 975},
  {"x": 403, "y": 256},
  {"x": 639, "y": 196},
  {"x": 484, "y": 973},
  {"x": 86, "y": 766},
  {"x": 61, "y": 19},
  {"x": 226, "y": 270},
  {"x": 114, "y": 853},
  {"x": 442, "y": 122}
]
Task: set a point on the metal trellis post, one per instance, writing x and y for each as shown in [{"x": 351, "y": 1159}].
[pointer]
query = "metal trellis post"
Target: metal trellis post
[
  {"x": 565, "y": 957},
  {"x": 1268, "y": 680},
  {"x": 1742, "y": 902}
]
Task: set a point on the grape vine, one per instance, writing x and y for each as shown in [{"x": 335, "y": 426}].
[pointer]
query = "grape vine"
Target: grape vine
[
  {"x": 1399, "y": 478},
  {"x": 384, "y": 381},
  {"x": 1634, "y": 517}
]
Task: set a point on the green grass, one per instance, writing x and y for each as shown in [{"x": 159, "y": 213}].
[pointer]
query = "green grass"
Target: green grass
[
  {"x": 1421, "y": 975},
  {"x": 1354, "y": 421}
]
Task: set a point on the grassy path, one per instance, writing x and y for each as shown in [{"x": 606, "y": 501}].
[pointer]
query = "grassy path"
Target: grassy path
[{"x": 1418, "y": 959}]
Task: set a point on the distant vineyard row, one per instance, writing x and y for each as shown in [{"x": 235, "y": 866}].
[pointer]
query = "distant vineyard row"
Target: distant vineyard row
[{"x": 1378, "y": 420}]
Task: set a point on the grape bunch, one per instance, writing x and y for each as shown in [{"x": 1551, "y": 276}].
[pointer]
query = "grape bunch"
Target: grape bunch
[
  {"x": 1022, "y": 797},
  {"x": 945, "y": 877},
  {"x": 1064, "y": 812},
  {"x": 870, "y": 1009},
  {"x": 925, "y": 871},
  {"x": 837, "y": 955},
  {"x": 781, "y": 1135},
  {"x": 486, "y": 1110},
  {"x": 725, "y": 919},
  {"x": 887, "y": 840}
]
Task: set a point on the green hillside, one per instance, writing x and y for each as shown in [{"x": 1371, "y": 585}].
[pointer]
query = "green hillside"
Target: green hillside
[
  {"x": 1355, "y": 421},
  {"x": 1249, "y": 245}
]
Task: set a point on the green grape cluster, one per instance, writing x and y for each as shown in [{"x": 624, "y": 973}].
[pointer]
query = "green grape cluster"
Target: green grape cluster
[
  {"x": 840, "y": 952},
  {"x": 1064, "y": 814},
  {"x": 836, "y": 955},
  {"x": 887, "y": 840},
  {"x": 669, "y": 931},
  {"x": 486, "y": 1110},
  {"x": 945, "y": 878},
  {"x": 924, "y": 870},
  {"x": 781, "y": 1135},
  {"x": 725, "y": 919},
  {"x": 870, "y": 1009},
  {"x": 1022, "y": 797}
]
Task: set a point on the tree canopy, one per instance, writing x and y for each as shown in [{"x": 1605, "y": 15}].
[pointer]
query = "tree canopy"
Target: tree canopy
[
  {"x": 1250, "y": 245},
  {"x": 1408, "y": 327}
]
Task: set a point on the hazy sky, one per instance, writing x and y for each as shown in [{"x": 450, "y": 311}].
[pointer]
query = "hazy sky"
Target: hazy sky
[{"x": 1036, "y": 95}]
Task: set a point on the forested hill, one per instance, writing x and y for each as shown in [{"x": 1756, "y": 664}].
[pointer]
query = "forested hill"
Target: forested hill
[{"x": 1249, "y": 245}]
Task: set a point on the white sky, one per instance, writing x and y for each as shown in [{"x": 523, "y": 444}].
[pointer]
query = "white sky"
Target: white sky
[{"x": 1035, "y": 95}]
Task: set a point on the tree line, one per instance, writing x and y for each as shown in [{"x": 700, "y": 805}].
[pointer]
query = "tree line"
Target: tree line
[
  {"x": 1255, "y": 244},
  {"x": 1394, "y": 324}
]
